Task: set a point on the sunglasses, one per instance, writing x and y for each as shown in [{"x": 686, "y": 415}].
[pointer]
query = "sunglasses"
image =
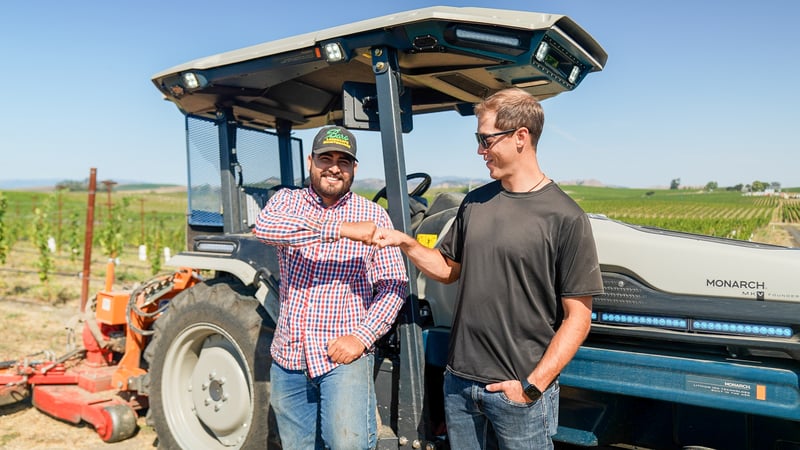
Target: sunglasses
[{"x": 482, "y": 138}]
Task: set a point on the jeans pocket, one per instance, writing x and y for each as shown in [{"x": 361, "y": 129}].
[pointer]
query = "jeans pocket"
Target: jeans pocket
[{"x": 510, "y": 402}]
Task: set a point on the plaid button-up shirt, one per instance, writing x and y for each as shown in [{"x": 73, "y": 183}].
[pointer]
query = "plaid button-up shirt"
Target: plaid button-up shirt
[{"x": 330, "y": 287}]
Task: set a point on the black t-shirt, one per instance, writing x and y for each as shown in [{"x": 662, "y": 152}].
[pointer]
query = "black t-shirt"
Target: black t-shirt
[{"x": 519, "y": 254}]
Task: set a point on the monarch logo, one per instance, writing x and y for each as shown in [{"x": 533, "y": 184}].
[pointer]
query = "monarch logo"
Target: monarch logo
[
  {"x": 749, "y": 288},
  {"x": 737, "y": 284}
]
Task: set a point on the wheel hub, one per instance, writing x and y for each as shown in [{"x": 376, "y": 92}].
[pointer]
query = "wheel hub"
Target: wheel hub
[{"x": 220, "y": 393}]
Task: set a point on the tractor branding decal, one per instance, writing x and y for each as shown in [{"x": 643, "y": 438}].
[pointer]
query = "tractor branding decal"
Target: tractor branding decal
[
  {"x": 737, "y": 284},
  {"x": 749, "y": 288}
]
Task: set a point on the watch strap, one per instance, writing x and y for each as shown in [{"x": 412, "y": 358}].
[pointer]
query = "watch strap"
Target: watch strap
[{"x": 530, "y": 390}]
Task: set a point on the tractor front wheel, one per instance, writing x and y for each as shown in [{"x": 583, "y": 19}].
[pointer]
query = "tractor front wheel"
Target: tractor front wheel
[
  {"x": 209, "y": 370},
  {"x": 120, "y": 423}
]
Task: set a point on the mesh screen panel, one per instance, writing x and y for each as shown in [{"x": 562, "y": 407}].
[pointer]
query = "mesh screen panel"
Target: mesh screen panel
[
  {"x": 258, "y": 156},
  {"x": 202, "y": 147}
]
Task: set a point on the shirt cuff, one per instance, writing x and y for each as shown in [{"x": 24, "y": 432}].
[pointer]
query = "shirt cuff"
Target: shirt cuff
[
  {"x": 330, "y": 231},
  {"x": 365, "y": 335}
]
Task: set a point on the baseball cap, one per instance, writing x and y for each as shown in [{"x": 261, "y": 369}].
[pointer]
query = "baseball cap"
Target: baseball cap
[{"x": 334, "y": 139}]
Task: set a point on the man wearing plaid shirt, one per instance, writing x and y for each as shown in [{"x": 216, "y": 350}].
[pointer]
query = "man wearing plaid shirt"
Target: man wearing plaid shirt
[{"x": 338, "y": 294}]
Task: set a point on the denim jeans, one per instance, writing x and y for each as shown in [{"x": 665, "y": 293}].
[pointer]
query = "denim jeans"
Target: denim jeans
[
  {"x": 335, "y": 410},
  {"x": 479, "y": 419}
]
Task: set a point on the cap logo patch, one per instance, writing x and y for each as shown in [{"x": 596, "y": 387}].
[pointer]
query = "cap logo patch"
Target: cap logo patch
[{"x": 336, "y": 137}]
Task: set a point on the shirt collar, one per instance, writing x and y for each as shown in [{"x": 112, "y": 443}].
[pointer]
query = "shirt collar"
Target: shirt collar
[{"x": 318, "y": 200}]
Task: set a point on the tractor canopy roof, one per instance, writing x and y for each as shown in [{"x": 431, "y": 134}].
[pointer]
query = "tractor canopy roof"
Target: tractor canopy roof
[{"x": 447, "y": 57}]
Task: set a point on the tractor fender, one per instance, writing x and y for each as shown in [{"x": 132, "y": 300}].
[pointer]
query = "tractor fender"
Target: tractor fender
[{"x": 266, "y": 288}]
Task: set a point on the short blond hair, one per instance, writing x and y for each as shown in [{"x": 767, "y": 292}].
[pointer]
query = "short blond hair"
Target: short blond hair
[{"x": 514, "y": 108}]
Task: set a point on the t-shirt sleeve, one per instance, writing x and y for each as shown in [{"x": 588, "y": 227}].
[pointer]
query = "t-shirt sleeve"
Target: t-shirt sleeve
[
  {"x": 579, "y": 269},
  {"x": 452, "y": 244}
]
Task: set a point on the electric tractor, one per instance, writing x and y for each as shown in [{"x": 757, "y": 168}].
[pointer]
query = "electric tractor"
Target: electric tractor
[{"x": 693, "y": 344}]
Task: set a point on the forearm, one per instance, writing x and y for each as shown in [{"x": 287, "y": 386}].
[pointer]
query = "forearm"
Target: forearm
[
  {"x": 428, "y": 260},
  {"x": 390, "y": 286},
  {"x": 565, "y": 343},
  {"x": 293, "y": 231},
  {"x": 382, "y": 312}
]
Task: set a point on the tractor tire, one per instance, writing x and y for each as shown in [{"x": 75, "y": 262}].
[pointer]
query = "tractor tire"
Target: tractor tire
[{"x": 209, "y": 370}]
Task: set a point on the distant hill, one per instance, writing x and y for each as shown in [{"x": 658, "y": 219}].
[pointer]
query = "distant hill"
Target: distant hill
[
  {"x": 371, "y": 184},
  {"x": 436, "y": 182},
  {"x": 590, "y": 182},
  {"x": 43, "y": 184},
  {"x": 46, "y": 184},
  {"x": 454, "y": 181}
]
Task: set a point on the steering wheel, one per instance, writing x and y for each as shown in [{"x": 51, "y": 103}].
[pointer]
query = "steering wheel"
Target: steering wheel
[{"x": 421, "y": 188}]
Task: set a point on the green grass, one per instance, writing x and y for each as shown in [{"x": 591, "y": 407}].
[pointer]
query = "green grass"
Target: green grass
[
  {"x": 143, "y": 214},
  {"x": 147, "y": 211},
  {"x": 720, "y": 213}
]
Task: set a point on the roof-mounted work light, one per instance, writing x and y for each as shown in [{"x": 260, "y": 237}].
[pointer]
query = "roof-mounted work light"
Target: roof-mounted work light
[
  {"x": 554, "y": 59},
  {"x": 574, "y": 74},
  {"x": 333, "y": 52},
  {"x": 193, "y": 80},
  {"x": 541, "y": 52}
]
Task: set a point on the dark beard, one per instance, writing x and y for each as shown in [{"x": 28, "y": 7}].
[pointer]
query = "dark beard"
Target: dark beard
[{"x": 327, "y": 191}]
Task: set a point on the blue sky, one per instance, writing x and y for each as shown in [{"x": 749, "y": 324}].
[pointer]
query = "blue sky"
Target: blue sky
[{"x": 697, "y": 90}]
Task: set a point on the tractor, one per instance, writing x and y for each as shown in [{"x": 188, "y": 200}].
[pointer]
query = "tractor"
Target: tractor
[{"x": 692, "y": 333}]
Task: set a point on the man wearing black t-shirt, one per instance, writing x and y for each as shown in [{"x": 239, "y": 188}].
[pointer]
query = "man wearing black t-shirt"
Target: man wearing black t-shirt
[{"x": 524, "y": 255}]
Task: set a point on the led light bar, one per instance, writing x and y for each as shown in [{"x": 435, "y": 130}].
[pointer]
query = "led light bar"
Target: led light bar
[
  {"x": 693, "y": 325},
  {"x": 488, "y": 38},
  {"x": 641, "y": 320},
  {"x": 216, "y": 247},
  {"x": 741, "y": 329}
]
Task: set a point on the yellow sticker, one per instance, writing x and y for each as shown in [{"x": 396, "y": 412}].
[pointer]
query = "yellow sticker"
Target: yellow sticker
[
  {"x": 761, "y": 392},
  {"x": 428, "y": 240}
]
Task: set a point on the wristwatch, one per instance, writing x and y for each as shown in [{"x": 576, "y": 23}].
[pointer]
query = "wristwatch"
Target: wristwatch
[{"x": 531, "y": 390}]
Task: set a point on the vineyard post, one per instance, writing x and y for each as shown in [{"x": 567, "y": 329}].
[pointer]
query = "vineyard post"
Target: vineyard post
[
  {"x": 60, "y": 194},
  {"x": 142, "y": 243},
  {"x": 108, "y": 184},
  {"x": 87, "y": 249},
  {"x": 110, "y": 266},
  {"x": 141, "y": 221}
]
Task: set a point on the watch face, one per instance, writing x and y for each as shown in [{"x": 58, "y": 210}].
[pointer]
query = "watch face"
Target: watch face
[{"x": 532, "y": 392}]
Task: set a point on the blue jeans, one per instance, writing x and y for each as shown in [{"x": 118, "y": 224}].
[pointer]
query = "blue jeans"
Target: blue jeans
[
  {"x": 335, "y": 410},
  {"x": 479, "y": 419}
]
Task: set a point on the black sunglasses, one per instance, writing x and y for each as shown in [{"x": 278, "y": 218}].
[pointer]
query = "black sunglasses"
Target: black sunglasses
[{"x": 482, "y": 137}]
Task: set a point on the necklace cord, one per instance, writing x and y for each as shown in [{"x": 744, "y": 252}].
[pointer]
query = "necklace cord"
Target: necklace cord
[{"x": 537, "y": 184}]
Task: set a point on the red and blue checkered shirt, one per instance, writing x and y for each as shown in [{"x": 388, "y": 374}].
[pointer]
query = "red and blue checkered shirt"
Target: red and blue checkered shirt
[{"x": 329, "y": 287}]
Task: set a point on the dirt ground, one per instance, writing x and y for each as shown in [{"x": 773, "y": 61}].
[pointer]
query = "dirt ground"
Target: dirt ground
[
  {"x": 33, "y": 318},
  {"x": 29, "y": 327}
]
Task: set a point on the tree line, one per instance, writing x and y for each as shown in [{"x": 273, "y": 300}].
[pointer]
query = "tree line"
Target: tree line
[{"x": 755, "y": 186}]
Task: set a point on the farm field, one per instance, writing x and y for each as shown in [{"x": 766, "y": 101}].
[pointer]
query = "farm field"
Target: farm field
[
  {"x": 155, "y": 217},
  {"x": 34, "y": 311},
  {"x": 722, "y": 214}
]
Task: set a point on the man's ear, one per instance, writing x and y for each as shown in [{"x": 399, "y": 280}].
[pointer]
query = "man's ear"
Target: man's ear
[
  {"x": 308, "y": 163},
  {"x": 522, "y": 135}
]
